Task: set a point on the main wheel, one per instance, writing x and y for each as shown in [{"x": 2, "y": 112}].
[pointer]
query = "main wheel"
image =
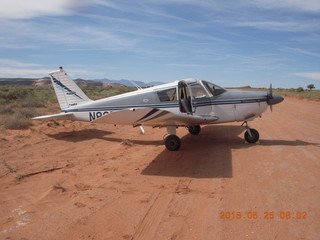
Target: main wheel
[
  {"x": 172, "y": 143},
  {"x": 194, "y": 130},
  {"x": 254, "y": 136}
]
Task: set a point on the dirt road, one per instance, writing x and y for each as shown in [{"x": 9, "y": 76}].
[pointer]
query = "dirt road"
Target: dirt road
[{"x": 90, "y": 181}]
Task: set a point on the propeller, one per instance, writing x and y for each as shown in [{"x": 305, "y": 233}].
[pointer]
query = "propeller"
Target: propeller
[
  {"x": 273, "y": 98},
  {"x": 269, "y": 97}
]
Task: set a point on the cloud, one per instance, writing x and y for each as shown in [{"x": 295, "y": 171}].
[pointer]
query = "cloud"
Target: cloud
[
  {"x": 17, "y": 9},
  {"x": 23, "y": 72},
  {"x": 38, "y": 72},
  {"x": 186, "y": 65},
  {"x": 310, "y": 75},
  {"x": 14, "y": 63},
  {"x": 61, "y": 34},
  {"x": 310, "y": 6},
  {"x": 280, "y": 25},
  {"x": 301, "y": 51},
  {"x": 13, "y": 68}
]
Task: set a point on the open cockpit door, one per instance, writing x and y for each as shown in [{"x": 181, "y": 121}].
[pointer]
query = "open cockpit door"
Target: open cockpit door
[
  {"x": 194, "y": 98},
  {"x": 184, "y": 98}
]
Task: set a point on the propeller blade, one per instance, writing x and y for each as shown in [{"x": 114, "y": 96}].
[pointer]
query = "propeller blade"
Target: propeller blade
[
  {"x": 270, "y": 95},
  {"x": 273, "y": 99}
]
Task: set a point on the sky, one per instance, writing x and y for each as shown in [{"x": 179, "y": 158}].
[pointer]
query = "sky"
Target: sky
[{"x": 231, "y": 43}]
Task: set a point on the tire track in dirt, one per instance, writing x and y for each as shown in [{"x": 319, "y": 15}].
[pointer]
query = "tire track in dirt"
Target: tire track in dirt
[{"x": 148, "y": 226}]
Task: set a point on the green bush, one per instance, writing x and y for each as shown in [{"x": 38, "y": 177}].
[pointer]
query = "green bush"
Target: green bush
[
  {"x": 27, "y": 96},
  {"x": 299, "y": 89},
  {"x": 33, "y": 102}
]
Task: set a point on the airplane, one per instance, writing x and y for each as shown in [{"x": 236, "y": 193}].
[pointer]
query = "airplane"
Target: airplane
[{"x": 186, "y": 103}]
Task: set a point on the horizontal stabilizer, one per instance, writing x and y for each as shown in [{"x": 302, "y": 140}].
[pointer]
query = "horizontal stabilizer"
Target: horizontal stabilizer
[{"x": 59, "y": 116}]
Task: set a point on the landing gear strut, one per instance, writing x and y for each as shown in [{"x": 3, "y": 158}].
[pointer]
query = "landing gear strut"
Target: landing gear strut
[
  {"x": 172, "y": 142},
  {"x": 251, "y": 135}
]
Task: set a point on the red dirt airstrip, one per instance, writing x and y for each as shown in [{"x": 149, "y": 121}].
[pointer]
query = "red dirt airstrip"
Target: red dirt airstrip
[{"x": 72, "y": 180}]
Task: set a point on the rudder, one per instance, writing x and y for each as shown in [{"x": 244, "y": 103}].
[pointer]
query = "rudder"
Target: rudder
[{"x": 67, "y": 91}]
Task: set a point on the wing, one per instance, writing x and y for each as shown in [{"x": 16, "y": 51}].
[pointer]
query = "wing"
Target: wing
[{"x": 154, "y": 117}]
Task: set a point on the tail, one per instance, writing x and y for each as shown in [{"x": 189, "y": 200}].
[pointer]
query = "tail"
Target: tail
[{"x": 68, "y": 92}]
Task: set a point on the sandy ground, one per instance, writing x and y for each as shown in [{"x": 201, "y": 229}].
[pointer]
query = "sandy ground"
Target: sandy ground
[{"x": 90, "y": 181}]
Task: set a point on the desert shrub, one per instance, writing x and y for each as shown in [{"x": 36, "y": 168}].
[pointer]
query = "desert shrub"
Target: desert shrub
[
  {"x": 16, "y": 121},
  {"x": 15, "y": 93},
  {"x": 28, "y": 96},
  {"x": 299, "y": 89},
  {"x": 28, "y": 112},
  {"x": 44, "y": 94},
  {"x": 6, "y": 109},
  {"x": 30, "y": 101}
]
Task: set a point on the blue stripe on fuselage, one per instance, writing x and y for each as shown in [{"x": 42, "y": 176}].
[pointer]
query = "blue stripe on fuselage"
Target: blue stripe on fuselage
[{"x": 167, "y": 105}]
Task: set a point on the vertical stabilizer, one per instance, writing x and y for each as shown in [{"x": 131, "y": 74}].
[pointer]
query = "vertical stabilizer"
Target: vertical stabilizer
[{"x": 68, "y": 92}]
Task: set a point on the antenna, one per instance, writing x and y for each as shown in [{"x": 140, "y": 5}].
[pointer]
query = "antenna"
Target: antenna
[{"x": 136, "y": 85}]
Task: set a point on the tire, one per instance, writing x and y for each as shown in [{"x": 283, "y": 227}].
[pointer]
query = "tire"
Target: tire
[
  {"x": 254, "y": 136},
  {"x": 194, "y": 130},
  {"x": 173, "y": 143}
]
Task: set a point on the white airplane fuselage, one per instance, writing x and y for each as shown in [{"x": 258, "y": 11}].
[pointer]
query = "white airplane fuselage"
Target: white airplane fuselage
[
  {"x": 188, "y": 102},
  {"x": 231, "y": 106}
]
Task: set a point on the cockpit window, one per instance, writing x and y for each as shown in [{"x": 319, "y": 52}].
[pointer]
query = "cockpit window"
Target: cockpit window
[
  {"x": 213, "y": 89},
  {"x": 168, "y": 95}
]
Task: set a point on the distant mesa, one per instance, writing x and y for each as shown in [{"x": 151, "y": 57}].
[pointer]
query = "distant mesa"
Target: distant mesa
[
  {"x": 42, "y": 81},
  {"x": 24, "y": 81}
]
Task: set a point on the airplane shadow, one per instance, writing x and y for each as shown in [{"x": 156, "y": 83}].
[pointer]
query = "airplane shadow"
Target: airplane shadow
[
  {"x": 88, "y": 134},
  {"x": 79, "y": 136},
  {"x": 208, "y": 155}
]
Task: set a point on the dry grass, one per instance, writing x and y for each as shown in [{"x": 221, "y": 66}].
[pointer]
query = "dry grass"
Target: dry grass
[
  {"x": 16, "y": 121},
  {"x": 297, "y": 93},
  {"x": 18, "y": 104}
]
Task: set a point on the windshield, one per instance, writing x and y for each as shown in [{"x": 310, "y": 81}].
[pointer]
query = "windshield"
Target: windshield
[
  {"x": 198, "y": 91},
  {"x": 213, "y": 89}
]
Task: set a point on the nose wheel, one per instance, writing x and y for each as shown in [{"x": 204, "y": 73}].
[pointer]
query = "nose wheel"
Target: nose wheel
[
  {"x": 251, "y": 135},
  {"x": 194, "y": 130}
]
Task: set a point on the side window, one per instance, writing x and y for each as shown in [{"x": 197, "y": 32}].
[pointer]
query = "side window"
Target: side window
[{"x": 167, "y": 95}]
